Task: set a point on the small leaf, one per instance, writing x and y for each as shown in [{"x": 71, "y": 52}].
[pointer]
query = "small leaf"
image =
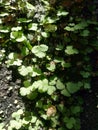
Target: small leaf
[
  {"x": 68, "y": 28},
  {"x": 59, "y": 47},
  {"x": 4, "y": 14},
  {"x": 62, "y": 13},
  {"x": 85, "y": 33},
  {"x": 50, "y": 28},
  {"x": 76, "y": 109},
  {"x": 21, "y": 39},
  {"x": 70, "y": 123},
  {"x": 32, "y": 95},
  {"x": 26, "y": 83},
  {"x": 65, "y": 93},
  {"x": 33, "y": 120},
  {"x": 65, "y": 64},
  {"x": 51, "y": 66},
  {"x": 40, "y": 50},
  {"x": 73, "y": 87},
  {"x": 60, "y": 85},
  {"x": 53, "y": 80},
  {"x": 36, "y": 72},
  {"x": 85, "y": 74},
  {"x": 33, "y": 26},
  {"x": 17, "y": 114},
  {"x": 25, "y": 70},
  {"x": 14, "y": 35},
  {"x": 29, "y": 6},
  {"x": 16, "y": 28},
  {"x": 25, "y": 91},
  {"x": 15, "y": 124},
  {"x": 51, "y": 90},
  {"x": 87, "y": 85},
  {"x": 70, "y": 50},
  {"x": 45, "y": 34}
]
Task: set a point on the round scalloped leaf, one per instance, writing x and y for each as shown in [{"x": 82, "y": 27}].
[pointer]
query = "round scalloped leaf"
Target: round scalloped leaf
[
  {"x": 70, "y": 50},
  {"x": 40, "y": 50}
]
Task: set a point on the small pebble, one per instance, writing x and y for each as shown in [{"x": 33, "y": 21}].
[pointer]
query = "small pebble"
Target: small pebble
[{"x": 15, "y": 102}]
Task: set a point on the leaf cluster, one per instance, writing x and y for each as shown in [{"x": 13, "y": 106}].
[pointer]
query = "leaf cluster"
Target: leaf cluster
[{"x": 49, "y": 43}]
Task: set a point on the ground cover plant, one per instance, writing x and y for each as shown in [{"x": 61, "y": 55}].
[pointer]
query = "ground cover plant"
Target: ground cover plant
[{"x": 48, "y": 43}]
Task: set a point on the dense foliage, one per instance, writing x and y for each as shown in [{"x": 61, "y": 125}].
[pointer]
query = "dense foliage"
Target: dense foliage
[{"x": 49, "y": 42}]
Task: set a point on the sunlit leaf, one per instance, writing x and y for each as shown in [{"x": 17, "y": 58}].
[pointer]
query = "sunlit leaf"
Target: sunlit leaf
[
  {"x": 25, "y": 91},
  {"x": 40, "y": 50},
  {"x": 51, "y": 66},
  {"x": 33, "y": 26},
  {"x": 62, "y": 13}
]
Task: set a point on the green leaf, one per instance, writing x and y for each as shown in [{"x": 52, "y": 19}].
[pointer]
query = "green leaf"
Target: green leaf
[
  {"x": 51, "y": 90},
  {"x": 40, "y": 50},
  {"x": 59, "y": 47},
  {"x": 33, "y": 120},
  {"x": 25, "y": 70},
  {"x": 85, "y": 74},
  {"x": 16, "y": 28},
  {"x": 45, "y": 34},
  {"x": 85, "y": 33},
  {"x": 24, "y": 20},
  {"x": 14, "y": 35},
  {"x": 48, "y": 20},
  {"x": 25, "y": 51},
  {"x": 21, "y": 39},
  {"x": 26, "y": 83},
  {"x": 65, "y": 93},
  {"x": 17, "y": 114},
  {"x": 68, "y": 28},
  {"x": 12, "y": 55},
  {"x": 65, "y": 64},
  {"x": 15, "y": 124},
  {"x": 4, "y": 29},
  {"x": 32, "y": 95},
  {"x": 62, "y": 13},
  {"x": 2, "y": 126},
  {"x": 70, "y": 50},
  {"x": 73, "y": 87},
  {"x": 36, "y": 72},
  {"x": 50, "y": 28},
  {"x": 29, "y": 6},
  {"x": 87, "y": 85},
  {"x": 70, "y": 123},
  {"x": 33, "y": 26},
  {"x": 75, "y": 109},
  {"x": 60, "y": 85},
  {"x": 25, "y": 91},
  {"x": 81, "y": 25},
  {"x": 53, "y": 80},
  {"x": 18, "y": 36},
  {"x": 51, "y": 66},
  {"x": 58, "y": 59},
  {"x": 3, "y": 14}
]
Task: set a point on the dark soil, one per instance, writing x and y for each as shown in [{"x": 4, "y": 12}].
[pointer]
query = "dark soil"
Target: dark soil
[
  {"x": 89, "y": 117},
  {"x": 10, "y": 100}
]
